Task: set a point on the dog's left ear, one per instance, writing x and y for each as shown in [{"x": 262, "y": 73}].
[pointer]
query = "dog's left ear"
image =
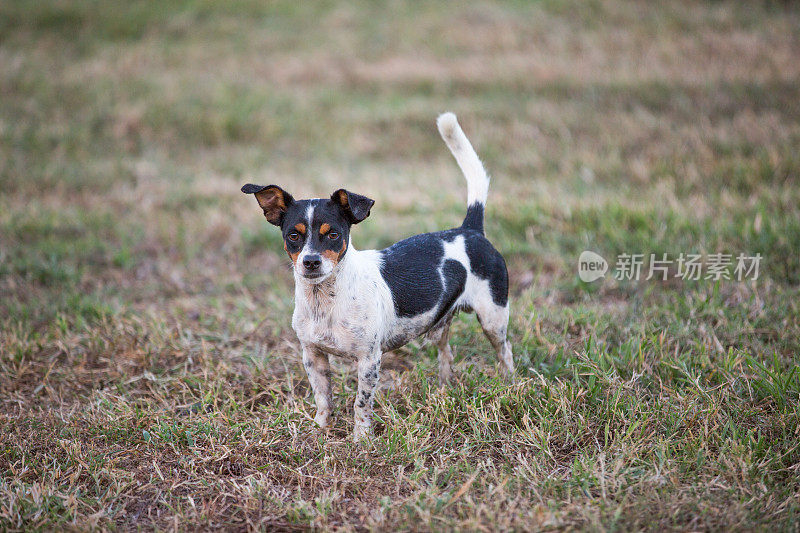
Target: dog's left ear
[{"x": 355, "y": 206}]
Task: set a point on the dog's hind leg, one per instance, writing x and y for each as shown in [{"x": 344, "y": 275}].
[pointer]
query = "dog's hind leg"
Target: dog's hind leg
[
  {"x": 494, "y": 321},
  {"x": 441, "y": 337}
]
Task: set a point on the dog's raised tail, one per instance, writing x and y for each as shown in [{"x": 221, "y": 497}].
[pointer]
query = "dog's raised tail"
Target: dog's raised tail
[{"x": 471, "y": 166}]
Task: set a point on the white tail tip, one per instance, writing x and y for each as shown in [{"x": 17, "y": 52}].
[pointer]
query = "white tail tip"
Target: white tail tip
[
  {"x": 448, "y": 126},
  {"x": 467, "y": 159}
]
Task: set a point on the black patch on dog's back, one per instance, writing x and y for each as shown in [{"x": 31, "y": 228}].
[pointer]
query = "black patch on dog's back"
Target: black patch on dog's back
[
  {"x": 411, "y": 270},
  {"x": 455, "y": 278}
]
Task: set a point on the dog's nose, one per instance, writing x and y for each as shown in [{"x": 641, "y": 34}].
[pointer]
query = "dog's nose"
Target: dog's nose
[{"x": 312, "y": 262}]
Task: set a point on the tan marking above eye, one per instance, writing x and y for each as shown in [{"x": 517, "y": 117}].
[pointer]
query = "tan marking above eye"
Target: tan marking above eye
[
  {"x": 325, "y": 228},
  {"x": 300, "y": 227}
]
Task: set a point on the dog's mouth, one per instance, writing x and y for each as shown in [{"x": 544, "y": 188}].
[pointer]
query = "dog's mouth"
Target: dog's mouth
[{"x": 313, "y": 275}]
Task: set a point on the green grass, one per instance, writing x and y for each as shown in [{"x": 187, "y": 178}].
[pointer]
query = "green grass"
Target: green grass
[{"x": 149, "y": 376}]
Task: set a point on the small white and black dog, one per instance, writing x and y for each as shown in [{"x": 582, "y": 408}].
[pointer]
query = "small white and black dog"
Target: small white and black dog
[{"x": 362, "y": 303}]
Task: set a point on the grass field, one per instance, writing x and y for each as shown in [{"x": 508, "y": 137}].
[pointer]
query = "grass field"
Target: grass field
[{"x": 149, "y": 376}]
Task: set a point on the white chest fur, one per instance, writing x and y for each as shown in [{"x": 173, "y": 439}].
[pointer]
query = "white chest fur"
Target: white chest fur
[{"x": 348, "y": 313}]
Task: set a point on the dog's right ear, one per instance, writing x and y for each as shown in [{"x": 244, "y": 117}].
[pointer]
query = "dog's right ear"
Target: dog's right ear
[{"x": 272, "y": 199}]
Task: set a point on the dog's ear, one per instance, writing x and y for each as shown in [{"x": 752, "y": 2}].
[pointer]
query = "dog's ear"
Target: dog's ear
[
  {"x": 272, "y": 199},
  {"x": 355, "y": 206}
]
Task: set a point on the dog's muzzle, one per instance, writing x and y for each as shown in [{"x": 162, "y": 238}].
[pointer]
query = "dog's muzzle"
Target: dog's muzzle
[
  {"x": 312, "y": 263},
  {"x": 314, "y": 267}
]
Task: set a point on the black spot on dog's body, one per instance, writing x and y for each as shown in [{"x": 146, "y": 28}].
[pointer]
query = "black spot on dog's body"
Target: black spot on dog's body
[
  {"x": 455, "y": 277},
  {"x": 487, "y": 263},
  {"x": 366, "y": 395},
  {"x": 396, "y": 341},
  {"x": 411, "y": 270}
]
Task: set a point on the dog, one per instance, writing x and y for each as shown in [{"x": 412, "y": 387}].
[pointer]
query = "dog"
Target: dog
[{"x": 362, "y": 303}]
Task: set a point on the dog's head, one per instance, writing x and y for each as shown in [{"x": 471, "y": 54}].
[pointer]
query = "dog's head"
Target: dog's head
[{"x": 315, "y": 232}]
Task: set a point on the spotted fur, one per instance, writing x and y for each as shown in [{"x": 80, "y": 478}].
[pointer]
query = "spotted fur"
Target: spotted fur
[{"x": 361, "y": 303}]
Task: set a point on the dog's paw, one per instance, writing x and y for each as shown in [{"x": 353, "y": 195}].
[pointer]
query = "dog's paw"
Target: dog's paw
[
  {"x": 507, "y": 375},
  {"x": 361, "y": 433},
  {"x": 445, "y": 379},
  {"x": 322, "y": 418}
]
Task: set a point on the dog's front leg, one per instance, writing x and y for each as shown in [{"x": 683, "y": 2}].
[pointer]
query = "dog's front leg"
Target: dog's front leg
[
  {"x": 369, "y": 367},
  {"x": 318, "y": 369}
]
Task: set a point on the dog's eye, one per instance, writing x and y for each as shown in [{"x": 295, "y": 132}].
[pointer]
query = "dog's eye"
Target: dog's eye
[
  {"x": 333, "y": 235},
  {"x": 294, "y": 236}
]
